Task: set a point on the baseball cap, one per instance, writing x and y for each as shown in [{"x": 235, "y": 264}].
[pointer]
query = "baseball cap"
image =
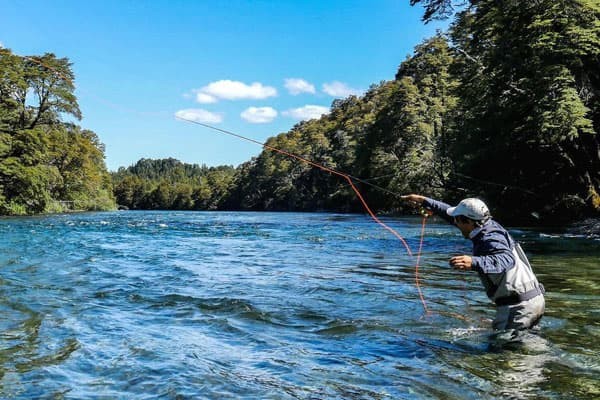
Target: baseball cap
[{"x": 470, "y": 208}]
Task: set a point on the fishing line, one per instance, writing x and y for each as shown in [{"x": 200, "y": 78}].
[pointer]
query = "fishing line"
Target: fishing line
[
  {"x": 502, "y": 185},
  {"x": 314, "y": 164},
  {"x": 349, "y": 178},
  {"x": 379, "y": 177},
  {"x": 417, "y": 283}
]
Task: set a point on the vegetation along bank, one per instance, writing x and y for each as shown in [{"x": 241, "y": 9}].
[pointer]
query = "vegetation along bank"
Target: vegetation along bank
[{"x": 504, "y": 106}]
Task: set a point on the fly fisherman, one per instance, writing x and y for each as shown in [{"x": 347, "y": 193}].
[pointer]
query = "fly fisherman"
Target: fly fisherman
[{"x": 500, "y": 262}]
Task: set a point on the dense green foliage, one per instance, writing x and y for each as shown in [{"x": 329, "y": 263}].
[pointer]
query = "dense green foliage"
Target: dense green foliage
[
  {"x": 506, "y": 106},
  {"x": 530, "y": 103},
  {"x": 170, "y": 184},
  {"x": 46, "y": 165},
  {"x": 396, "y": 136}
]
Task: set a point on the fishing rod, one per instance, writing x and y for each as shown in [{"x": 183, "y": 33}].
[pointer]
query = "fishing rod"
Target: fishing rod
[
  {"x": 349, "y": 178},
  {"x": 314, "y": 164}
]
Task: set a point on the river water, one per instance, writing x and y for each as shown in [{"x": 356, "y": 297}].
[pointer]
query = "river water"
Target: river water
[{"x": 188, "y": 305}]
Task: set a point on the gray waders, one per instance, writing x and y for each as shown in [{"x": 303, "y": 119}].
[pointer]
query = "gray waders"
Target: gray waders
[{"x": 518, "y": 295}]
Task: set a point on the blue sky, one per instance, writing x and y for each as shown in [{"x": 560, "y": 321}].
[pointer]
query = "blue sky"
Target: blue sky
[{"x": 252, "y": 67}]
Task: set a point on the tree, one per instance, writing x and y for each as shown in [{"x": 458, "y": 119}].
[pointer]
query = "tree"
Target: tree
[
  {"x": 171, "y": 184},
  {"x": 44, "y": 161},
  {"x": 437, "y": 9},
  {"x": 50, "y": 79},
  {"x": 408, "y": 145},
  {"x": 529, "y": 101}
]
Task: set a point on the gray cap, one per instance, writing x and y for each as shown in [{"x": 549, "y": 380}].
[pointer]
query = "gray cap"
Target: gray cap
[{"x": 470, "y": 208}]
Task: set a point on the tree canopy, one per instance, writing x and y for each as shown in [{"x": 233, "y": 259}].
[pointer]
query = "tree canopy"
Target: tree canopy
[
  {"x": 504, "y": 106},
  {"x": 46, "y": 165},
  {"x": 170, "y": 184}
]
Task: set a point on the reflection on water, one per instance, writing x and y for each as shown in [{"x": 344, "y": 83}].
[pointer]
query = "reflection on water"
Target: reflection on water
[{"x": 182, "y": 305}]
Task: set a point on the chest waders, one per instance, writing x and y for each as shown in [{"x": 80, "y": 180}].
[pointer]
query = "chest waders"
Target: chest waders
[
  {"x": 516, "y": 285},
  {"x": 517, "y": 293}
]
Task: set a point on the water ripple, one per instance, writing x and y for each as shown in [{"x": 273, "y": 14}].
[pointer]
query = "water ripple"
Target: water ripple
[{"x": 186, "y": 305}]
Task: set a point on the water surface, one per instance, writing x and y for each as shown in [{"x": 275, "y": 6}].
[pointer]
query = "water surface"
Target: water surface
[{"x": 187, "y": 305}]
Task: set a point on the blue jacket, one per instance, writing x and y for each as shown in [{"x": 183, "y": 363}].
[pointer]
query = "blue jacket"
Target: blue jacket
[{"x": 492, "y": 246}]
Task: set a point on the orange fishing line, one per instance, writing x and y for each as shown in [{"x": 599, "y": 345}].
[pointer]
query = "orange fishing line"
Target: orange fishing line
[
  {"x": 417, "y": 283},
  {"x": 347, "y": 177}
]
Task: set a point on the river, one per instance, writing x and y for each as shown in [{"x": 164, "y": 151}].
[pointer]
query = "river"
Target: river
[{"x": 219, "y": 305}]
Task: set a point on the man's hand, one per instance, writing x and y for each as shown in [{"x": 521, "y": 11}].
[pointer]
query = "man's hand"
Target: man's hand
[
  {"x": 414, "y": 199},
  {"x": 461, "y": 262}
]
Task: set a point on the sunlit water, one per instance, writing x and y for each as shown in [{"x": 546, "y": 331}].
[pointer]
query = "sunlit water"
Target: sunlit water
[{"x": 183, "y": 305}]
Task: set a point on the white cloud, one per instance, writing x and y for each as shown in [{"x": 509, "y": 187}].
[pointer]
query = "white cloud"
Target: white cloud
[
  {"x": 204, "y": 98},
  {"x": 259, "y": 115},
  {"x": 199, "y": 115},
  {"x": 307, "y": 112},
  {"x": 296, "y": 86},
  {"x": 233, "y": 90},
  {"x": 1, "y": 45},
  {"x": 339, "y": 89}
]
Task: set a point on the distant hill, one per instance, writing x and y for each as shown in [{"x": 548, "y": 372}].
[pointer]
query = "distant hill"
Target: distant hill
[{"x": 167, "y": 184}]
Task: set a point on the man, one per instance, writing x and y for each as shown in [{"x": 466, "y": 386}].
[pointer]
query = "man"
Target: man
[{"x": 500, "y": 262}]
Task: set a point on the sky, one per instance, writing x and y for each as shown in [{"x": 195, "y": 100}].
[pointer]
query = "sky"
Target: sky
[{"x": 255, "y": 68}]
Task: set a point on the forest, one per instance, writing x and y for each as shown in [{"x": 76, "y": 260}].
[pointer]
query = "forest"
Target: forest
[
  {"x": 46, "y": 164},
  {"x": 169, "y": 184},
  {"x": 504, "y": 106}
]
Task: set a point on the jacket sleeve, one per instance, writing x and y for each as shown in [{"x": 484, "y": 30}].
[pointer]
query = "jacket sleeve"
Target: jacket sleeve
[
  {"x": 439, "y": 208},
  {"x": 492, "y": 254}
]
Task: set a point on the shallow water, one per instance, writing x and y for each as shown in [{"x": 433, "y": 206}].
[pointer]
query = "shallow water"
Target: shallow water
[{"x": 187, "y": 305}]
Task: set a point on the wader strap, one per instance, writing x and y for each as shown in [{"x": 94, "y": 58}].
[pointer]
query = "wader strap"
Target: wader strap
[{"x": 519, "y": 297}]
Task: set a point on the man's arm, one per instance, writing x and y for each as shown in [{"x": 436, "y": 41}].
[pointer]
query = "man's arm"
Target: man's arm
[
  {"x": 438, "y": 207},
  {"x": 493, "y": 255}
]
